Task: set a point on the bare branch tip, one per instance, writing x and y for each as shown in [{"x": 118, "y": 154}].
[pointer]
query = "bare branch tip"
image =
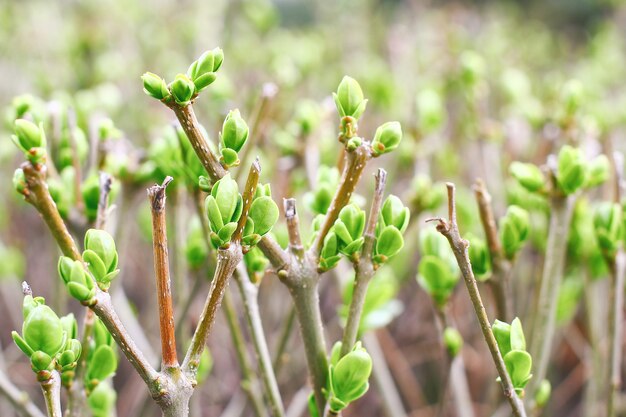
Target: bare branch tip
[
  {"x": 26, "y": 290},
  {"x": 289, "y": 205}
]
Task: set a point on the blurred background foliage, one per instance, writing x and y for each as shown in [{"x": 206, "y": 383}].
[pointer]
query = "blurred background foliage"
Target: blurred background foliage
[{"x": 482, "y": 81}]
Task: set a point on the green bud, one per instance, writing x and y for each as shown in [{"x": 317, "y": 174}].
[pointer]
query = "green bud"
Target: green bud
[
  {"x": 101, "y": 257},
  {"x": 350, "y": 224},
  {"x": 256, "y": 263},
  {"x": 264, "y": 213},
  {"x": 102, "y": 364},
  {"x": 155, "y": 86},
  {"x": 518, "y": 365},
  {"x": 70, "y": 326},
  {"x": 79, "y": 285},
  {"x": 514, "y": 228},
  {"x": 226, "y": 195},
  {"x": 394, "y": 213},
  {"x": 91, "y": 196},
  {"x": 543, "y": 393},
  {"x": 453, "y": 341},
  {"x": 608, "y": 226},
  {"x": 518, "y": 341},
  {"x": 387, "y": 138},
  {"x": 528, "y": 175},
  {"x": 598, "y": 171},
  {"x": 572, "y": 95},
  {"x": 41, "y": 361},
  {"x": 28, "y": 135},
  {"x": 480, "y": 257},
  {"x": 182, "y": 89},
  {"x": 437, "y": 278},
  {"x": 329, "y": 255},
  {"x": 349, "y": 378},
  {"x": 335, "y": 353},
  {"x": 102, "y": 400},
  {"x": 388, "y": 243},
  {"x": 69, "y": 357},
  {"x": 349, "y": 98},
  {"x": 473, "y": 67},
  {"x": 204, "y": 184},
  {"x": 307, "y": 116},
  {"x": 234, "y": 135},
  {"x": 19, "y": 181},
  {"x": 204, "y": 68},
  {"x": 42, "y": 330},
  {"x": 502, "y": 333},
  {"x": 572, "y": 169},
  {"x": 101, "y": 335}
]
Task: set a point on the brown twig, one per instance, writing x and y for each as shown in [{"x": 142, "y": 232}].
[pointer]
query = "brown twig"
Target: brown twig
[
  {"x": 51, "y": 388},
  {"x": 450, "y": 230},
  {"x": 364, "y": 268},
  {"x": 156, "y": 194},
  {"x": 354, "y": 165},
  {"x": 500, "y": 282}
]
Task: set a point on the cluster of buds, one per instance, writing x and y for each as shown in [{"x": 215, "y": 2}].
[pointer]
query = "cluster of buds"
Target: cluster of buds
[
  {"x": 45, "y": 340},
  {"x": 512, "y": 346},
  {"x": 30, "y": 139},
  {"x": 234, "y": 135},
  {"x": 348, "y": 376},
  {"x": 200, "y": 75}
]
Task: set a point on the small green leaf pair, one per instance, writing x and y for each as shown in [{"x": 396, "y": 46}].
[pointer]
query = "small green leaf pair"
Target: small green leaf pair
[
  {"x": 224, "y": 206},
  {"x": 608, "y": 226},
  {"x": 480, "y": 258},
  {"x": 102, "y": 400},
  {"x": 79, "y": 284},
  {"x": 101, "y": 257},
  {"x": 349, "y": 98},
  {"x": 512, "y": 346},
  {"x": 392, "y": 222},
  {"x": 256, "y": 264},
  {"x": 387, "y": 138},
  {"x": 318, "y": 200},
  {"x": 528, "y": 175},
  {"x": 349, "y": 228},
  {"x": 438, "y": 271},
  {"x": 425, "y": 195},
  {"x": 202, "y": 71},
  {"x": 30, "y": 139},
  {"x": 234, "y": 135},
  {"x": 102, "y": 359},
  {"x": 348, "y": 376},
  {"x": 514, "y": 228}
]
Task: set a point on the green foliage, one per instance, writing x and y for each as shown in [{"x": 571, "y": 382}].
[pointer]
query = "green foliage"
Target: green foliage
[
  {"x": 480, "y": 257},
  {"x": 234, "y": 135},
  {"x": 101, "y": 257},
  {"x": 319, "y": 199},
  {"x": 512, "y": 346},
  {"x": 514, "y": 229},
  {"x": 387, "y": 138},
  {"x": 78, "y": 283},
  {"x": 102, "y": 400},
  {"x": 438, "y": 271},
  {"x": 608, "y": 224},
  {"x": 31, "y": 140},
  {"x": 348, "y": 377},
  {"x": 453, "y": 341},
  {"x": 349, "y": 98}
]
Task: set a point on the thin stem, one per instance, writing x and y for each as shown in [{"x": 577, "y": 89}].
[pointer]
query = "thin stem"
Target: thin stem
[
  {"x": 77, "y": 396},
  {"x": 249, "y": 294},
  {"x": 248, "y": 380},
  {"x": 247, "y": 197},
  {"x": 279, "y": 356},
  {"x": 354, "y": 165},
  {"x": 51, "y": 388},
  {"x": 162, "y": 274},
  {"x": 545, "y": 318},
  {"x": 616, "y": 315},
  {"x": 364, "y": 268},
  {"x": 450, "y": 230},
  {"x": 19, "y": 399},
  {"x": 189, "y": 123},
  {"x": 500, "y": 282},
  {"x": 38, "y": 195}
]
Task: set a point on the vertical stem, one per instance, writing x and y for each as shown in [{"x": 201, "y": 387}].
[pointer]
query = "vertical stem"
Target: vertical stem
[
  {"x": 306, "y": 301},
  {"x": 545, "y": 319},
  {"x": 162, "y": 274},
  {"x": 51, "y": 388},
  {"x": 284, "y": 339},
  {"x": 616, "y": 315},
  {"x": 364, "y": 268},
  {"x": 248, "y": 381},
  {"x": 450, "y": 230},
  {"x": 249, "y": 293}
]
